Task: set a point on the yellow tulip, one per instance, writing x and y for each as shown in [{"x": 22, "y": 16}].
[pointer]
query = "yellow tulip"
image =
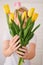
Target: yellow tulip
[
  {"x": 11, "y": 16},
  {"x": 6, "y": 8},
  {"x": 31, "y": 11},
  {"x": 34, "y": 17},
  {"x": 24, "y": 15}
]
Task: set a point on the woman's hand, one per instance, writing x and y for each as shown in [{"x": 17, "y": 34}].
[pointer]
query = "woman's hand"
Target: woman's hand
[
  {"x": 14, "y": 44},
  {"x": 11, "y": 46},
  {"x": 24, "y": 52},
  {"x": 27, "y": 53}
]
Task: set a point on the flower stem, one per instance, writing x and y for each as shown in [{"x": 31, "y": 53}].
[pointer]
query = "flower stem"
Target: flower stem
[{"x": 21, "y": 60}]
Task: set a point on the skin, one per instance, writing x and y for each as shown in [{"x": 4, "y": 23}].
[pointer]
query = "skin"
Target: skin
[
  {"x": 12, "y": 46},
  {"x": 27, "y": 53}
]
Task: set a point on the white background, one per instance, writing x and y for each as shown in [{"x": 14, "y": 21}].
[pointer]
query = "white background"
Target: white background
[{"x": 38, "y": 4}]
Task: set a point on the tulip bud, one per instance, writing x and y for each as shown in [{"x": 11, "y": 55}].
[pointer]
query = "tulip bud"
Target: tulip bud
[
  {"x": 6, "y": 8},
  {"x": 30, "y": 12},
  {"x": 24, "y": 15},
  {"x": 11, "y": 16},
  {"x": 34, "y": 17}
]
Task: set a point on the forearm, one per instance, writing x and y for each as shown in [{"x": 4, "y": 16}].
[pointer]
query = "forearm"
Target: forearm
[
  {"x": 31, "y": 55},
  {"x": 6, "y": 53},
  {"x": 31, "y": 51}
]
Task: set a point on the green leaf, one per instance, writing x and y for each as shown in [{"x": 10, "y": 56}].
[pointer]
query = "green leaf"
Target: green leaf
[
  {"x": 28, "y": 38},
  {"x": 12, "y": 32},
  {"x": 16, "y": 27},
  {"x": 20, "y": 20},
  {"x": 28, "y": 22},
  {"x": 36, "y": 28},
  {"x": 28, "y": 29}
]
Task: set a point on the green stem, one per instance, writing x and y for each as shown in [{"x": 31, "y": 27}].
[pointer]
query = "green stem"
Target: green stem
[{"x": 21, "y": 60}]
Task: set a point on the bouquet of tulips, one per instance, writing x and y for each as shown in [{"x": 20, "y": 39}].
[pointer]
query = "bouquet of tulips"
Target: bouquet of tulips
[{"x": 26, "y": 33}]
